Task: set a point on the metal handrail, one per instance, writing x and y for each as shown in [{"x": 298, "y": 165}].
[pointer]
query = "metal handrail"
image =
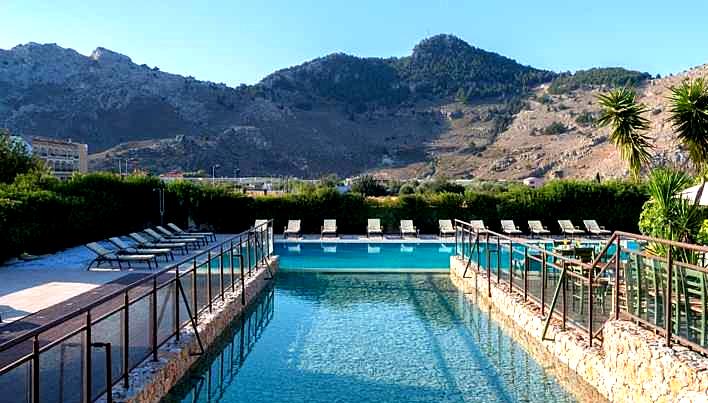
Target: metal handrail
[
  {"x": 165, "y": 278},
  {"x": 598, "y": 278},
  {"x": 108, "y": 297}
]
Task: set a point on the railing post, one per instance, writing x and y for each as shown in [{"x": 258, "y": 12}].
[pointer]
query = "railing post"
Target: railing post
[
  {"x": 526, "y": 272},
  {"x": 590, "y": 304},
  {"x": 250, "y": 242},
  {"x": 194, "y": 288},
  {"x": 35, "y": 370},
  {"x": 176, "y": 326},
  {"x": 88, "y": 368},
  {"x": 543, "y": 283},
  {"x": 456, "y": 240},
  {"x": 669, "y": 286},
  {"x": 126, "y": 340},
  {"x": 489, "y": 269},
  {"x": 498, "y": 262},
  {"x": 153, "y": 319},
  {"x": 243, "y": 281},
  {"x": 617, "y": 279},
  {"x": 209, "y": 292},
  {"x": 511, "y": 264},
  {"x": 479, "y": 253},
  {"x": 565, "y": 302},
  {"x": 231, "y": 259},
  {"x": 221, "y": 270}
]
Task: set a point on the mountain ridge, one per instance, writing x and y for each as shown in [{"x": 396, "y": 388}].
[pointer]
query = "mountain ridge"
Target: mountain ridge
[{"x": 335, "y": 114}]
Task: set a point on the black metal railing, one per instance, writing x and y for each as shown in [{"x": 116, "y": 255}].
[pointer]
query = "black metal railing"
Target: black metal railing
[
  {"x": 80, "y": 356},
  {"x": 585, "y": 286}
]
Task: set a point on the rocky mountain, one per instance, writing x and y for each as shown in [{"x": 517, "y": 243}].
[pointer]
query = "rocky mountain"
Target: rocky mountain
[{"x": 447, "y": 109}]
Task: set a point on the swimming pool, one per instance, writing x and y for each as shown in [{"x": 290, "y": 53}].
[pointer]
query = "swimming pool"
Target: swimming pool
[
  {"x": 384, "y": 256},
  {"x": 358, "y": 337}
]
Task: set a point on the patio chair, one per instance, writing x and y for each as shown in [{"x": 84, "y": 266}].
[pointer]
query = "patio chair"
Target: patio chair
[
  {"x": 146, "y": 243},
  {"x": 478, "y": 226},
  {"x": 537, "y": 228},
  {"x": 595, "y": 229},
  {"x": 407, "y": 228},
  {"x": 510, "y": 228},
  {"x": 446, "y": 228},
  {"x": 204, "y": 239},
  {"x": 567, "y": 228},
  {"x": 259, "y": 223},
  {"x": 160, "y": 238},
  {"x": 125, "y": 249},
  {"x": 104, "y": 255},
  {"x": 210, "y": 235},
  {"x": 293, "y": 228},
  {"x": 329, "y": 227},
  {"x": 373, "y": 226}
]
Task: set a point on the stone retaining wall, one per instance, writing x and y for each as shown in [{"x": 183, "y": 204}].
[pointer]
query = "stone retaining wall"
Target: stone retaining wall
[
  {"x": 151, "y": 381},
  {"x": 632, "y": 365}
]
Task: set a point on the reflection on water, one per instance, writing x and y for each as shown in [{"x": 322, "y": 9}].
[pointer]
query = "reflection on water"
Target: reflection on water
[
  {"x": 219, "y": 368},
  {"x": 368, "y": 338}
]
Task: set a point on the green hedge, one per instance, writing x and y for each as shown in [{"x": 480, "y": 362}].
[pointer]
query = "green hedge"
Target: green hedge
[
  {"x": 51, "y": 215},
  {"x": 615, "y": 205},
  {"x": 40, "y": 216}
]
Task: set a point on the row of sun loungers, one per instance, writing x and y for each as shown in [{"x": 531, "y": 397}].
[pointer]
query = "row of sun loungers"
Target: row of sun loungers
[
  {"x": 373, "y": 227},
  {"x": 148, "y": 246},
  {"x": 537, "y": 228}
]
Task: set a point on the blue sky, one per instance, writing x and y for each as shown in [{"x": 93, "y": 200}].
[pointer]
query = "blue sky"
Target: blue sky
[{"x": 242, "y": 41}]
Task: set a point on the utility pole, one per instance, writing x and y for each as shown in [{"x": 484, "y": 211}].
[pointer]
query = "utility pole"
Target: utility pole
[{"x": 160, "y": 203}]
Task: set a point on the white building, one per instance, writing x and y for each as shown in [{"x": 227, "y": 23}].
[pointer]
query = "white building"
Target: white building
[{"x": 533, "y": 182}]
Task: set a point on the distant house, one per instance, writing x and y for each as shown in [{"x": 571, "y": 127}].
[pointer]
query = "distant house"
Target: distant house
[
  {"x": 62, "y": 157},
  {"x": 173, "y": 175},
  {"x": 533, "y": 182}
]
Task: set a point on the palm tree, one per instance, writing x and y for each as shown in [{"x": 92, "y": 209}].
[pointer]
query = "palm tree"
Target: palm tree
[
  {"x": 689, "y": 118},
  {"x": 667, "y": 216},
  {"x": 624, "y": 115}
]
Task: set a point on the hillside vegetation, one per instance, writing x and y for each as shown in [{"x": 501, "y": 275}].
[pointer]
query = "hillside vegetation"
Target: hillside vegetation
[{"x": 597, "y": 77}]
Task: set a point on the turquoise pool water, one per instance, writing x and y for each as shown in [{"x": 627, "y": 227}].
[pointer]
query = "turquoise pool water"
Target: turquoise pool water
[
  {"x": 357, "y": 337},
  {"x": 364, "y": 256}
]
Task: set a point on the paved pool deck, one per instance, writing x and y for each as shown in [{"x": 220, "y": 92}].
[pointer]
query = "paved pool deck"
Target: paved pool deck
[{"x": 27, "y": 286}]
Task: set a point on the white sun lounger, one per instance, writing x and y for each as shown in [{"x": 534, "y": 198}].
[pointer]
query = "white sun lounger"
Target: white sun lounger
[
  {"x": 329, "y": 227},
  {"x": 407, "y": 228},
  {"x": 595, "y": 229},
  {"x": 373, "y": 226},
  {"x": 293, "y": 228},
  {"x": 510, "y": 228},
  {"x": 446, "y": 228},
  {"x": 537, "y": 228},
  {"x": 567, "y": 228}
]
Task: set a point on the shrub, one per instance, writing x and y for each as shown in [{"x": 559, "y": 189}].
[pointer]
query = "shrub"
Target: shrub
[
  {"x": 34, "y": 210},
  {"x": 368, "y": 186},
  {"x": 555, "y": 128},
  {"x": 585, "y": 119}
]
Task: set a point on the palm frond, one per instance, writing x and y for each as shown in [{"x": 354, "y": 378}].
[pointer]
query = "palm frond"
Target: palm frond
[
  {"x": 689, "y": 117},
  {"x": 624, "y": 116}
]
